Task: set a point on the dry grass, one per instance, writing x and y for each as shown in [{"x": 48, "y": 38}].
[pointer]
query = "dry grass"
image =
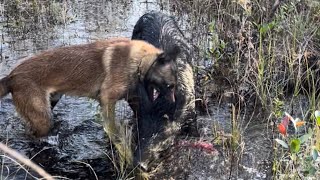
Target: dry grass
[
  {"x": 264, "y": 52},
  {"x": 34, "y": 16},
  {"x": 24, "y": 161}
]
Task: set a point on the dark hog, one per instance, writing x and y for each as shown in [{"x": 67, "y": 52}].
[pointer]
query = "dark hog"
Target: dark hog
[{"x": 155, "y": 132}]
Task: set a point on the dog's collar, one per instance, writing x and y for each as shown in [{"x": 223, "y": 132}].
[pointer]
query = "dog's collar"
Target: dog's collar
[{"x": 140, "y": 73}]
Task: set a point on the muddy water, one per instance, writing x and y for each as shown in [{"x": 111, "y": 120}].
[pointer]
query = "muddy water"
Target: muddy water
[{"x": 78, "y": 148}]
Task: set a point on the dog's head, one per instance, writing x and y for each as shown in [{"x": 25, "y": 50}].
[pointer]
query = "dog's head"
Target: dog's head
[{"x": 161, "y": 78}]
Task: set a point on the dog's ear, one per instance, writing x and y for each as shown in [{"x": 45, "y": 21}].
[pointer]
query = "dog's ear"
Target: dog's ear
[{"x": 169, "y": 55}]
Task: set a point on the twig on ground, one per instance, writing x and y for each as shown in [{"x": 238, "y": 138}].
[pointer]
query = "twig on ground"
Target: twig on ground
[{"x": 26, "y": 161}]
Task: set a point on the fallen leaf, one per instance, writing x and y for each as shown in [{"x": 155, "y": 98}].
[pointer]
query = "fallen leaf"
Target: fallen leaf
[
  {"x": 300, "y": 123},
  {"x": 295, "y": 145},
  {"x": 282, "y": 143},
  {"x": 282, "y": 129}
]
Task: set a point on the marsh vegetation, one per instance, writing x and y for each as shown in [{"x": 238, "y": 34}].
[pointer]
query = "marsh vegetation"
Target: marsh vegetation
[{"x": 257, "y": 63}]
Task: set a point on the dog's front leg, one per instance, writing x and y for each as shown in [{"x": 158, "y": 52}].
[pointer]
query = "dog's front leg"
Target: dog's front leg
[
  {"x": 108, "y": 112},
  {"x": 118, "y": 135}
]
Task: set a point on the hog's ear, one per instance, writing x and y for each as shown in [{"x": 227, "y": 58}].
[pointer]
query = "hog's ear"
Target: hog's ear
[{"x": 169, "y": 55}]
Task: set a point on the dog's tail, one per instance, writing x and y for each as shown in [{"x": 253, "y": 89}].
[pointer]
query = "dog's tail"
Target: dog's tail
[{"x": 4, "y": 90}]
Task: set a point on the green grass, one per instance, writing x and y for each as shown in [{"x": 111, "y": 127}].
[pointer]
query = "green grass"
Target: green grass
[
  {"x": 264, "y": 47},
  {"x": 263, "y": 50}
]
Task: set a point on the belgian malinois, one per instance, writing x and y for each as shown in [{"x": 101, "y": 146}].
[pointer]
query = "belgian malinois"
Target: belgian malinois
[{"x": 106, "y": 70}]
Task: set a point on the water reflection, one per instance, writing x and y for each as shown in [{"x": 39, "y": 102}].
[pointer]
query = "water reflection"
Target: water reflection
[
  {"x": 79, "y": 138},
  {"x": 85, "y": 21}
]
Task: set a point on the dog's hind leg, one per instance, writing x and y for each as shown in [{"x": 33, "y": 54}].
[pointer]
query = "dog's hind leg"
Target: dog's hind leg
[
  {"x": 33, "y": 105},
  {"x": 54, "y": 99}
]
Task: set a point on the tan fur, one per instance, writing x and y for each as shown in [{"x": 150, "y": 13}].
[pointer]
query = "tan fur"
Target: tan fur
[{"x": 104, "y": 70}]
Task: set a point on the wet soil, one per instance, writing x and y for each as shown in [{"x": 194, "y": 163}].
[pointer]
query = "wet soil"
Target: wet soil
[{"x": 79, "y": 148}]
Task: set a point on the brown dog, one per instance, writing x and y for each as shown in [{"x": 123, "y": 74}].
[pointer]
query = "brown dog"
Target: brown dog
[{"x": 106, "y": 70}]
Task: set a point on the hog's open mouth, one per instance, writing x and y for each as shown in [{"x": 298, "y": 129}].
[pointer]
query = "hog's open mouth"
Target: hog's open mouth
[{"x": 155, "y": 93}]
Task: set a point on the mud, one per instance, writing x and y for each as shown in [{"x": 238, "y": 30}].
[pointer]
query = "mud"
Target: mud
[{"x": 79, "y": 148}]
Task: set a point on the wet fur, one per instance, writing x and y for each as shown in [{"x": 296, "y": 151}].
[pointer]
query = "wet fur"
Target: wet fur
[
  {"x": 156, "y": 134},
  {"x": 106, "y": 70},
  {"x": 163, "y": 32}
]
